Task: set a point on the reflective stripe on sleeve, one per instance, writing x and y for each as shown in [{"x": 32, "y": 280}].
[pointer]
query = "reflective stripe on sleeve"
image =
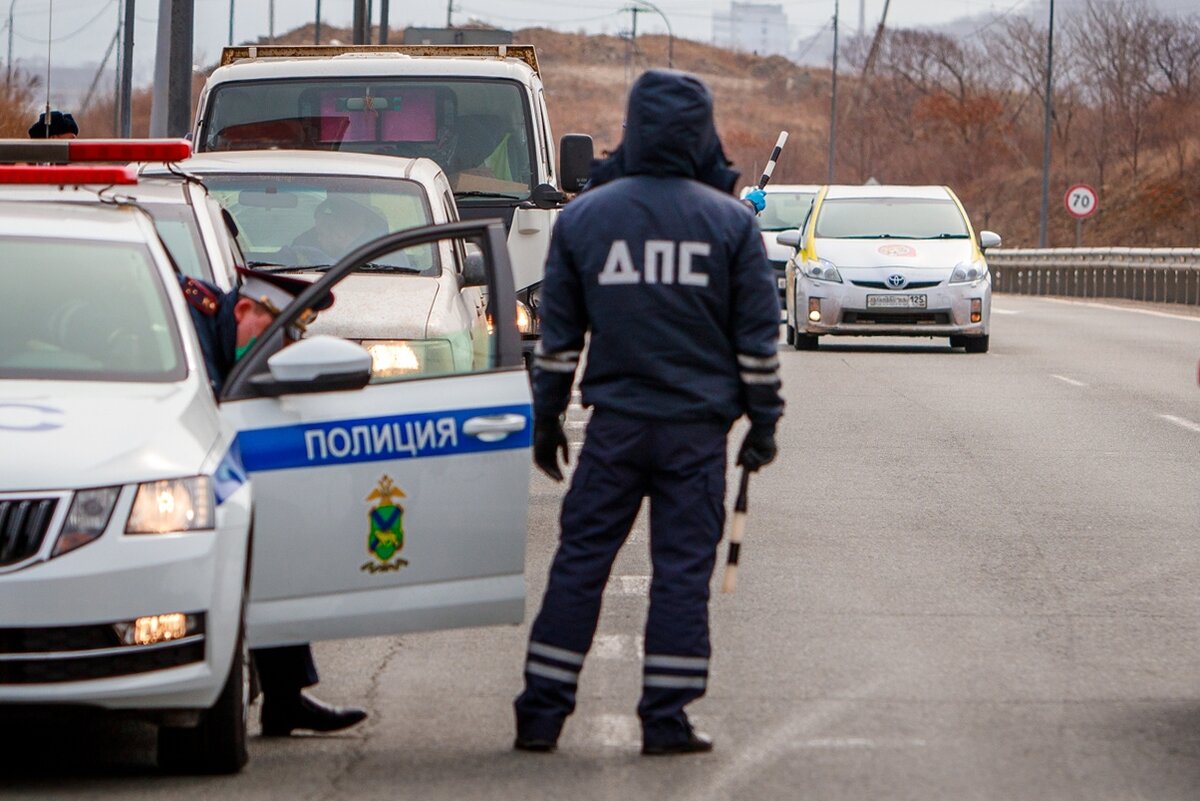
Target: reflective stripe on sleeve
[
  {"x": 758, "y": 362},
  {"x": 563, "y": 361},
  {"x": 760, "y": 378}
]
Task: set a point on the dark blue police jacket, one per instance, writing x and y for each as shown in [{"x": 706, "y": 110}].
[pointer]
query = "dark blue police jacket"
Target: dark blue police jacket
[
  {"x": 665, "y": 271},
  {"x": 216, "y": 327}
]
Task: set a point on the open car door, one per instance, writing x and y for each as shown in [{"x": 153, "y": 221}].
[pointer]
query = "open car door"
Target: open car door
[{"x": 384, "y": 505}]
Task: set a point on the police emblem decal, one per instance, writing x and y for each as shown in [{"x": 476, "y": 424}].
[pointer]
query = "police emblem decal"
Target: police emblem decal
[{"x": 385, "y": 532}]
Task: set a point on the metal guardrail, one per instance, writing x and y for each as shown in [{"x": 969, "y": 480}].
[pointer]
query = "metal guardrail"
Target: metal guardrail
[{"x": 1159, "y": 275}]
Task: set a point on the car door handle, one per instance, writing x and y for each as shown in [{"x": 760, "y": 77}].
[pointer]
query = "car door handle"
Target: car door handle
[{"x": 494, "y": 428}]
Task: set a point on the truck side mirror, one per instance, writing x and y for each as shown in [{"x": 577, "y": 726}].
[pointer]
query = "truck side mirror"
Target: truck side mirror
[
  {"x": 474, "y": 268},
  {"x": 575, "y": 153}
]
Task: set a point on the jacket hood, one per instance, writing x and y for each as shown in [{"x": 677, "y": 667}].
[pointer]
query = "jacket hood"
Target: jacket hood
[{"x": 669, "y": 131}]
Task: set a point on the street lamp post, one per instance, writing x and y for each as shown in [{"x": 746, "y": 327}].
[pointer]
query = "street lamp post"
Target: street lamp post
[
  {"x": 670, "y": 33},
  {"x": 833, "y": 98},
  {"x": 8, "y": 78},
  {"x": 1048, "y": 113}
]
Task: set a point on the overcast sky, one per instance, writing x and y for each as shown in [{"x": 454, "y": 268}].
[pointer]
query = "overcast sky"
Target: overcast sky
[{"x": 79, "y": 31}]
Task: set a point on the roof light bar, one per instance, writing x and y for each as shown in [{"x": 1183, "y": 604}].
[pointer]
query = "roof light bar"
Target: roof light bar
[
  {"x": 67, "y": 176},
  {"x": 72, "y": 151}
]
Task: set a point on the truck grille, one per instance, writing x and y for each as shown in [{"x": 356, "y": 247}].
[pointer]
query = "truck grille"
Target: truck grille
[{"x": 23, "y": 525}]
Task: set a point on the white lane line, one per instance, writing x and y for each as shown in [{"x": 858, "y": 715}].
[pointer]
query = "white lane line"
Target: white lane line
[
  {"x": 623, "y": 647},
  {"x": 1149, "y": 312},
  {"x": 613, "y": 731},
  {"x": 1066, "y": 380},
  {"x": 628, "y": 585},
  {"x": 1181, "y": 422},
  {"x": 1004, "y": 311}
]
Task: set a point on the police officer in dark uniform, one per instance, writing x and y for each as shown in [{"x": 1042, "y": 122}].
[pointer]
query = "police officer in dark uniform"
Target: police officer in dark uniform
[
  {"x": 665, "y": 271},
  {"x": 227, "y": 325}
]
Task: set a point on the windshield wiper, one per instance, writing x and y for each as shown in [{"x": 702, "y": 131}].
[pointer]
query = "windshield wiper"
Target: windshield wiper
[
  {"x": 943, "y": 236},
  {"x": 274, "y": 267},
  {"x": 478, "y": 193},
  {"x": 379, "y": 267}
]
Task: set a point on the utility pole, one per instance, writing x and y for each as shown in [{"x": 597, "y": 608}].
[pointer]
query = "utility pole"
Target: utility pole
[
  {"x": 171, "y": 108},
  {"x": 1048, "y": 111},
  {"x": 383, "y": 21},
  {"x": 317, "y": 30},
  {"x": 449, "y": 11},
  {"x": 230, "y": 39},
  {"x": 833, "y": 98},
  {"x": 271, "y": 21},
  {"x": 125, "y": 93},
  {"x": 361, "y": 23},
  {"x": 11, "y": 6}
]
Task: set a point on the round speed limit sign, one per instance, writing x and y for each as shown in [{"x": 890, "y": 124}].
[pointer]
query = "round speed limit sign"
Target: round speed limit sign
[{"x": 1081, "y": 201}]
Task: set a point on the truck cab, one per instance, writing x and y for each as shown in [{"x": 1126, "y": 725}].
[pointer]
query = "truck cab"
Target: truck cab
[{"x": 479, "y": 111}]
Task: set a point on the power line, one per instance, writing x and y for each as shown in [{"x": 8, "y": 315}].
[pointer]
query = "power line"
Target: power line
[{"x": 74, "y": 33}]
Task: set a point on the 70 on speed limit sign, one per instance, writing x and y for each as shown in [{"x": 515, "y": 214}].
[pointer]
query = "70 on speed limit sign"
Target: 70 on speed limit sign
[{"x": 1081, "y": 201}]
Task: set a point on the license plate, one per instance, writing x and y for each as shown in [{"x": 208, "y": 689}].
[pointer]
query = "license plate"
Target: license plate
[
  {"x": 897, "y": 301},
  {"x": 781, "y": 281}
]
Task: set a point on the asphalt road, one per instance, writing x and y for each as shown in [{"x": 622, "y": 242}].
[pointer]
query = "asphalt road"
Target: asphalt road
[{"x": 966, "y": 577}]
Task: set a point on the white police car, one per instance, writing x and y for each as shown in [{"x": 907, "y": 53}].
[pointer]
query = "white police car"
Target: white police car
[
  {"x": 420, "y": 312},
  {"x": 131, "y": 499}
]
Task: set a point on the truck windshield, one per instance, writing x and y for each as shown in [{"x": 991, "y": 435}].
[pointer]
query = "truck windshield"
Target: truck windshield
[
  {"x": 311, "y": 221},
  {"x": 478, "y": 131},
  {"x": 890, "y": 218},
  {"x": 85, "y": 311}
]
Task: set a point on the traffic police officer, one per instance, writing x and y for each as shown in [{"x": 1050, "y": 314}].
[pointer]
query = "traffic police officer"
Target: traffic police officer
[
  {"x": 227, "y": 325},
  {"x": 665, "y": 271}
]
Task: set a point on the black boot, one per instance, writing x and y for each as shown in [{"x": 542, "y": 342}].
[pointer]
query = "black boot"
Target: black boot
[
  {"x": 300, "y": 711},
  {"x": 693, "y": 743}
]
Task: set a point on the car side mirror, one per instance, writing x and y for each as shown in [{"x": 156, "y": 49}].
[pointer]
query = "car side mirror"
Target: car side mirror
[
  {"x": 320, "y": 364},
  {"x": 988, "y": 239},
  {"x": 575, "y": 154},
  {"x": 474, "y": 268},
  {"x": 789, "y": 238},
  {"x": 546, "y": 196}
]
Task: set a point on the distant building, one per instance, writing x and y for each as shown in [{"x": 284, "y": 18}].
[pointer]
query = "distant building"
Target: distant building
[
  {"x": 461, "y": 36},
  {"x": 760, "y": 28}
]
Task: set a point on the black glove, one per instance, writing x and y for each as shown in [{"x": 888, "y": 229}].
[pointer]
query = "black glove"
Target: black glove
[
  {"x": 758, "y": 448},
  {"x": 548, "y": 440}
]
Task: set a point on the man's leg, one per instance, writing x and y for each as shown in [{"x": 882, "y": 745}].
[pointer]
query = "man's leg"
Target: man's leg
[
  {"x": 283, "y": 673},
  {"x": 687, "y": 515},
  {"x": 597, "y": 513}
]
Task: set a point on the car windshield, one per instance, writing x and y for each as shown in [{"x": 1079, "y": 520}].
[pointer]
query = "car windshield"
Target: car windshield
[
  {"x": 312, "y": 221},
  {"x": 176, "y": 226},
  {"x": 785, "y": 210},
  {"x": 85, "y": 311},
  {"x": 478, "y": 131},
  {"x": 890, "y": 218}
]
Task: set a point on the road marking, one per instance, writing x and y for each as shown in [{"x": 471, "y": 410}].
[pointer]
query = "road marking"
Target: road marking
[
  {"x": 1181, "y": 422},
  {"x": 628, "y": 585},
  {"x": 623, "y": 647},
  {"x": 1149, "y": 312},
  {"x": 1004, "y": 311},
  {"x": 614, "y": 731},
  {"x": 1066, "y": 380}
]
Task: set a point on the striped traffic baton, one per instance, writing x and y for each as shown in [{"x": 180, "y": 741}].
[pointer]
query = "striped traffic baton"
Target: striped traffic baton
[
  {"x": 770, "y": 168},
  {"x": 736, "y": 532}
]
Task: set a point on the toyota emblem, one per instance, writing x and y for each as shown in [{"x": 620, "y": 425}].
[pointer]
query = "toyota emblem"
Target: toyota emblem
[{"x": 895, "y": 280}]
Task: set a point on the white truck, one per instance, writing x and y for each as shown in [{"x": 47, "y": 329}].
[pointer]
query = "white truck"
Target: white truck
[{"x": 479, "y": 111}]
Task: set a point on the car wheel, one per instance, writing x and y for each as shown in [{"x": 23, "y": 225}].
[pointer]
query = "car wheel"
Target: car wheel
[
  {"x": 790, "y": 335},
  {"x": 806, "y": 341},
  {"x": 977, "y": 344},
  {"x": 218, "y": 744}
]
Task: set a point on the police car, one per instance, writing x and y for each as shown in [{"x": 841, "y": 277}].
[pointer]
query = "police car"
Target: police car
[
  {"x": 150, "y": 532},
  {"x": 787, "y": 207},
  {"x": 420, "y": 312},
  {"x": 889, "y": 261}
]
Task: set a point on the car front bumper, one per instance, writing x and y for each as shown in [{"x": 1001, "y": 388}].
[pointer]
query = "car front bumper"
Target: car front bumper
[
  {"x": 58, "y": 639},
  {"x": 844, "y": 311}
]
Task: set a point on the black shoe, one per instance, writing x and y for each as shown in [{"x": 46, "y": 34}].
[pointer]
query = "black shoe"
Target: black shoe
[
  {"x": 696, "y": 743},
  {"x": 280, "y": 717},
  {"x": 538, "y": 744}
]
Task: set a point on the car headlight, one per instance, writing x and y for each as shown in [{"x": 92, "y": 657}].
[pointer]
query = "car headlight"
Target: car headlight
[
  {"x": 179, "y": 504},
  {"x": 822, "y": 270},
  {"x": 967, "y": 272},
  {"x": 86, "y": 519},
  {"x": 391, "y": 358}
]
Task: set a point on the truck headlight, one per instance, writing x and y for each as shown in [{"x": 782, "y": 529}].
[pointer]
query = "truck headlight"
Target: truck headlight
[
  {"x": 180, "y": 504},
  {"x": 968, "y": 272},
  {"x": 822, "y": 270},
  {"x": 392, "y": 358},
  {"x": 86, "y": 519},
  {"x": 525, "y": 319}
]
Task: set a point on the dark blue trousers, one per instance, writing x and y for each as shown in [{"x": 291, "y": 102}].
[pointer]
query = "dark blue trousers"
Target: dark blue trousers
[{"x": 681, "y": 468}]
